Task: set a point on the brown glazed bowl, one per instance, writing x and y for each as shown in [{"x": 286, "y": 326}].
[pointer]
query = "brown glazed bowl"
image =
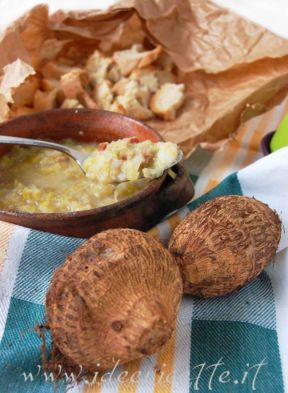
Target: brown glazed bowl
[{"x": 141, "y": 211}]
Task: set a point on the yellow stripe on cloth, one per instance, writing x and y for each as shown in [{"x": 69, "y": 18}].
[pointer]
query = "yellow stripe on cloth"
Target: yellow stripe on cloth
[
  {"x": 6, "y": 230},
  {"x": 224, "y": 157},
  {"x": 165, "y": 367},
  {"x": 154, "y": 232},
  {"x": 171, "y": 222},
  {"x": 251, "y": 149},
  {"x": 95, "y": 388},
  {"x": 129, "y": 382},
  {"x": 211, "y": 184},
  {"x": 174, "y": 220}
]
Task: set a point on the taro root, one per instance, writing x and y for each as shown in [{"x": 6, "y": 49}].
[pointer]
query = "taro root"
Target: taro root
[
  {"x": 224, "y": 244},
  {"x": 115, "y": 299}
]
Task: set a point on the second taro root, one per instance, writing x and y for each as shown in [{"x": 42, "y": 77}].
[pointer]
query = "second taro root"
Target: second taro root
[{"x": 224, "y": 244}]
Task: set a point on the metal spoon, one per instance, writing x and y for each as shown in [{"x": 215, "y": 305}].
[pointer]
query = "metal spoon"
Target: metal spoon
[{"x": 76, "y": 155}]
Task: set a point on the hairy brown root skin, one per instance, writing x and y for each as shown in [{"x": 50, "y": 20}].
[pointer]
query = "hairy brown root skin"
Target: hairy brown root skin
[
  {"x": 114, "y": 299},
  {"x": 224, "y": 244}
]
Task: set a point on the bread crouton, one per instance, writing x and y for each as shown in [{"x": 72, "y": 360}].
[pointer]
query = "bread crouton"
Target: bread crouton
[
  {"x": 103, "y": 94},
  {"x": 133, "y": 102},
  {"x": 71, "y": 103},
  {"x": 116, "y": 107},
  {"x": 23, "y": 95},
  {"x": 167, "y": 100},
  {"x": 44, "y": 100},
  {"x": 120, "y": 87},
  {"x": 128, "y": 86},
  {"x": 54, "y": 70},
  {"x": 97, "y": 67},
  {"x": 73, "y": 83},
  {"x": 4, "y": 108},
  {"x": 146, "y": 77},
  {"x": 50, "y": 84},
  {"x": 113, "y": 73},
  {"x": 131, "y": 59},
  {"x": 88, "y": 102},
  {"x": 144, "y": 95}
]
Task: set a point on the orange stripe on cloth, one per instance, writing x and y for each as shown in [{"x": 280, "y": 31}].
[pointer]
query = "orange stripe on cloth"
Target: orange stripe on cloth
[
  {"x": 227, "y": 156},
  {"x": 174, "y": 220},
  {"x": 211, "y": 184},
  {"x": 165, "y": 366},
  {"x": 154, "y": 232},
  {"x": 6, "y": 230},
  {"x": 251, "y": 151},
  {"x": 95, "y": 388},
  {"x": 129, "y": 380},
  {"x": 169, "y": 225}
]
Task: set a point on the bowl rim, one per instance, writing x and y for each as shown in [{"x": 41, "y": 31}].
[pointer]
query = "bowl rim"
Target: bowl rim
[{"x": 123, "y": 204}]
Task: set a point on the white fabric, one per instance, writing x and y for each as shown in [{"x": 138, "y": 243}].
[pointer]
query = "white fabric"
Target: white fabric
[
  {"x": 278, "y": 273},
  {"x": 262, "y": 179},
  {"x": 9, "y": 273}
]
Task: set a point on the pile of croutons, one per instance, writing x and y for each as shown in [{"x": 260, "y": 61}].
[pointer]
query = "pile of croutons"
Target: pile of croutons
[{"x": 136, "y": 82}]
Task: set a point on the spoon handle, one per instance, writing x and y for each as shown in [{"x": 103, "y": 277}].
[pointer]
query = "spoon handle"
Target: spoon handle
[
  {"x": 32, "y": 142},
  {"x": 76, "y": 155}
]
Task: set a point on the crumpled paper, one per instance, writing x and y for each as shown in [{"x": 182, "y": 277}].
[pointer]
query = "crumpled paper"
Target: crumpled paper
[
  {"x": 14, "y": 74},
  {"x": 233, "y": 68}
]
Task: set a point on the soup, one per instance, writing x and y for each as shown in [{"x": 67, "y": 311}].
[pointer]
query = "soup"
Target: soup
[{"x": 38, "y": 180}]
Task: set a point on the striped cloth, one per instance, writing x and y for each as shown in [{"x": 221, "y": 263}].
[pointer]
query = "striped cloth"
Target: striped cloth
[{"x": 236, "y": 343}]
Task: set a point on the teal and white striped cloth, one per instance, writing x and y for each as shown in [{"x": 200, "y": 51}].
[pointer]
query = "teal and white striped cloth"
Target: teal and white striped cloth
[{"x": 237, "y": 343}]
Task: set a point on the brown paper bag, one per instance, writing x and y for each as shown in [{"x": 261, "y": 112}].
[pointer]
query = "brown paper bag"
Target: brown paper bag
[{"x": 233, "y": 68}]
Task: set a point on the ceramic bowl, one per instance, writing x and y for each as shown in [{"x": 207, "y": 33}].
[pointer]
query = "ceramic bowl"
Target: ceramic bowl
[{"x": 141, "y": 211}]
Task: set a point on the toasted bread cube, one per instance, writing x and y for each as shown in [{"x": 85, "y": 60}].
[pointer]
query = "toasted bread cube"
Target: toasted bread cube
[
  {"x": 146, "y": 77},
  {"x": 113, "y": 73},
  {"x": 131, "y": 59},
  {"x": 133, "y": 102},
  {"x": 44, "y": 100},
  {"x": 127, "y": 86},
  {"x": 71, "y": 103},
  {"x": 167, "y": 100},
  {"x": 97, "y": 67},
  {"x": 87, "y": 101},
  {"x": 72, "y": 83},
  {"x": 116, "y": 107},
  {"x": 4, "y": 108},
  {"x": 50, "y": 84},
  {"x": 54, "y": 70},
  {"x": 23, "y": 95},
  {"x": 103, "y": 94},
  {"x": 121, "y": 86}
]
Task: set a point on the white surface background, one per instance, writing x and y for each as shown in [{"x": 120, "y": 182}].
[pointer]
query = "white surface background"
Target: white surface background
[{"x": 271, "y": 13}]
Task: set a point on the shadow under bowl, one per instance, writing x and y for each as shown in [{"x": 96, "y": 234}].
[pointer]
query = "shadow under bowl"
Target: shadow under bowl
[{"x": 141, "y": 211}]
